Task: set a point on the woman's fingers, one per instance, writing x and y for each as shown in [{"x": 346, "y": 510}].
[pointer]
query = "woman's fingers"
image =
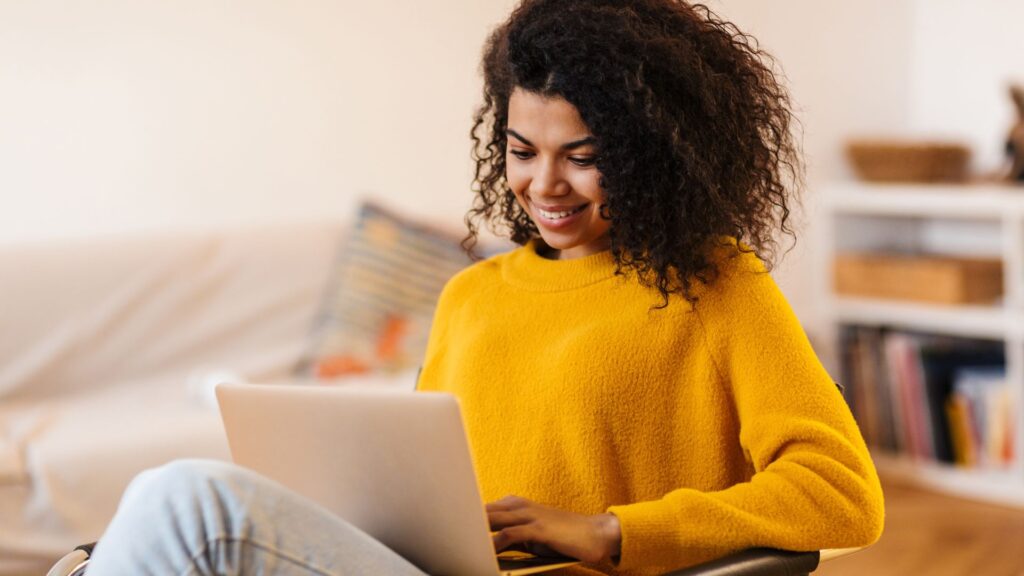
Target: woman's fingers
[
  {"x": 508, "y": 503},
  {"x": 504, "y": 519},
  {"x": 506, "y": 537},
  {"x": 542, "y": 528}
]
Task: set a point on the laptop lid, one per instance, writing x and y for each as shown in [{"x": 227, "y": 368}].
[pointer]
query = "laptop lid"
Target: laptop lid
[{"x": 396, "y": 465}]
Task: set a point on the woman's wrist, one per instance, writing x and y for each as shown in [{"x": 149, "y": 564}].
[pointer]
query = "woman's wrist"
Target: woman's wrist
[{"x": 611, "y": 534}]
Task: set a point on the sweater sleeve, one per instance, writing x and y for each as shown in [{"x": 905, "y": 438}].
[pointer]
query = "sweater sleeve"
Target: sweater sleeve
[{"x": 814, "y": 485}]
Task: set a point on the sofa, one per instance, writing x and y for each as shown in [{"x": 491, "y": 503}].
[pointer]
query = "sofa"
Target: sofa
[{"x": 110, "y": 347}]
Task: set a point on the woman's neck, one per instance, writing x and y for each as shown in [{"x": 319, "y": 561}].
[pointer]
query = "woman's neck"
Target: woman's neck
[{"x": 549, "y": 253}]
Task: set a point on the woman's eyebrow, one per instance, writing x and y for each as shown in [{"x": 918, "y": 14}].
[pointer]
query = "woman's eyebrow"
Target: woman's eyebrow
[
  {"x": 579, "y": 143},
  {"x": 567, "y": 146},
  {"x": 518, "y": 137}
]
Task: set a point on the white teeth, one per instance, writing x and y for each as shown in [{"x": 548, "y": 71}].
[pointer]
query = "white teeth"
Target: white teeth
[{"x": 558, "y": 215}]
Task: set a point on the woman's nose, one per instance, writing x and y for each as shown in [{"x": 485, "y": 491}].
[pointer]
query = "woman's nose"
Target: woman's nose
[{"x": 548, "y": 181}]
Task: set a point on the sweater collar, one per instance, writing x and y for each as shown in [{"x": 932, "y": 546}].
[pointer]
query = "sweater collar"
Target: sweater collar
[{"x": 525, "y": 268}]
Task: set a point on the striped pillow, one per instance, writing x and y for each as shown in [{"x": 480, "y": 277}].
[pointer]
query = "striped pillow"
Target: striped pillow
[{"x": 379, "y": 305}]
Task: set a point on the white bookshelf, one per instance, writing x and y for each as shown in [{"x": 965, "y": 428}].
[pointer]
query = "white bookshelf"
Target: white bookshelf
[
  {"x": 978, "y": 219},
  {"x": 929, "y": 200},
  {"x": 971, "y": 321},
  {"x": 994, "y": 486}
]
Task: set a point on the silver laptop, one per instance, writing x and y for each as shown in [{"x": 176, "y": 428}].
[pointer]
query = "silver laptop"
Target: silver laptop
[{"x": 394, "y": 464}]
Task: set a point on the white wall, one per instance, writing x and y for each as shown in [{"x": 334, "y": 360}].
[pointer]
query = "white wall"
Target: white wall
[
  {"x": 119, "y": 115},
  {"x": 966, "y": 53},
  {"x": 901, "y": 68},
  {"x": 847, "y": 66}
]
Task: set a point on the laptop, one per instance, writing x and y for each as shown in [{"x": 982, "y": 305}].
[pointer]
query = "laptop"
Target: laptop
[{"x": 394, "y": 464}]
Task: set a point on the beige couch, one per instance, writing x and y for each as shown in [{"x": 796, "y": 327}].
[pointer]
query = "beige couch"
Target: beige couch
[{"x": 108, "y": 350}]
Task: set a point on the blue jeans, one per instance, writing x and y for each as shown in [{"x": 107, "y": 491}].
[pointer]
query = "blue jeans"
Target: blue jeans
[{"x": 210, "y": 517}]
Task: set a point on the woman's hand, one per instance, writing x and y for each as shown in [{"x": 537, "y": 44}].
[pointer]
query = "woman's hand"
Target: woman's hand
[{"x": 588, "y": 538}]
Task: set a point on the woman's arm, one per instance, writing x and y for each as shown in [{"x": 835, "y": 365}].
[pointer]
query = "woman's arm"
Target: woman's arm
[{"x": 814, "y": 485}]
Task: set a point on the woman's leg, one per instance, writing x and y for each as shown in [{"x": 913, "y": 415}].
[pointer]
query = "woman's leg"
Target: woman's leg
[{"x": 209, "y": 517}]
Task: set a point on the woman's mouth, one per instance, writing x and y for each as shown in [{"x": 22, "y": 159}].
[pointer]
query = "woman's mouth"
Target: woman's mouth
[
  {"x": 559, "y": 217},
  {"x": 559, "y": 214}
]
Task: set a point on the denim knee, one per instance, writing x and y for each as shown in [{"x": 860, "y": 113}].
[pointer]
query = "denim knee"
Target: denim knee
[{"x": 187, "y": 479}]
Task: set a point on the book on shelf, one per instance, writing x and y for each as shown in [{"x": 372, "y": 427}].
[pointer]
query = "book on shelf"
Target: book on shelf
[
  {"x": 982, "y": 426},
  {"x": 931, "y": 397}
]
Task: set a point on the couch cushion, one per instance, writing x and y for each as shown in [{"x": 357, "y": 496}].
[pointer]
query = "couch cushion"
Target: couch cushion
[
  {"x": 377, "y": 313},
  {"x": 81, "y": 451},
  {"x": 81, "y": 314}
]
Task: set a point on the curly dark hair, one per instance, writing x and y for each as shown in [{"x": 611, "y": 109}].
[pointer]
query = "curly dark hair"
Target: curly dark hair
[{"x": 692, "y": 123}]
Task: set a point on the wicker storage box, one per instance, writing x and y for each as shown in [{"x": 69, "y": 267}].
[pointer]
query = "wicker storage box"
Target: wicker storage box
[
  {"x": 930, "y": 279},
  {"x": 881, "y": 161}
]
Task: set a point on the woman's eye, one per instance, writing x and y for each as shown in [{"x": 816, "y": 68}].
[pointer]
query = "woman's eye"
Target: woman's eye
[
  {"x": 521, "y": 154},
  {"x": 583, "y": 160}
]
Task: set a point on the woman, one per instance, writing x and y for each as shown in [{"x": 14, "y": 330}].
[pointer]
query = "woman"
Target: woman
[{"x": 637, "y": 391}]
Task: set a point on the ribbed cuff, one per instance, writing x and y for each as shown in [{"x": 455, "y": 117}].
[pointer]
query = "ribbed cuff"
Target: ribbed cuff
[{"x": 647, "y": 534}]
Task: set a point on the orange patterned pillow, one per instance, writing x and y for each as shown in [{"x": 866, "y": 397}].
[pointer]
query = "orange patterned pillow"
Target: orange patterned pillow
[{"x": 378, "y": 308}]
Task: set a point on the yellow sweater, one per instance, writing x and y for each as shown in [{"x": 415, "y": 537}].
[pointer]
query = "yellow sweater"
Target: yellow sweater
[{"x": 703, "y": 430}]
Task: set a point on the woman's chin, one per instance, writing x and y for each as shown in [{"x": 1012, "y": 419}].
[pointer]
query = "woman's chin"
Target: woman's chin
[{"x": 558, "y": 243}]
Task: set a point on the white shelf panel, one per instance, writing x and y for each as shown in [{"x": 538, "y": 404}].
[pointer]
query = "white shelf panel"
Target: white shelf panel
[
  {"x": 1004, "y": 487},
  {"x": 988, "y": 201},
  {"x": 972, "y": 321}
]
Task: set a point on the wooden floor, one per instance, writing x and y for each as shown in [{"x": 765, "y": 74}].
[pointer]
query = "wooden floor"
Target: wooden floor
[{"x": 938, "y": 535}]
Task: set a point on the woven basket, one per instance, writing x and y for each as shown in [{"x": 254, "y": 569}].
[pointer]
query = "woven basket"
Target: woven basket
[{"x": 884, "y": 161}]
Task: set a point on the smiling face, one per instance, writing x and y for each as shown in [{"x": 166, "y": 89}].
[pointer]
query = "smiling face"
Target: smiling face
[{"x": 550, "y": 168}]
